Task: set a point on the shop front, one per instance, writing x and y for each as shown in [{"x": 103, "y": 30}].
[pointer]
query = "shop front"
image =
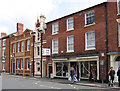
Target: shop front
[
  {"x": 82, "y": 66},
  {"x": 115, "y": 63}
]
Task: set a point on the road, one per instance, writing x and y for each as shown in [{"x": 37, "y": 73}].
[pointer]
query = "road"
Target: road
[{"x": 11, "y": 82}]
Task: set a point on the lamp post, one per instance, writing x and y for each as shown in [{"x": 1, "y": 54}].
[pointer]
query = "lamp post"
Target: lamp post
[
  {"x": 33, "y": 34},
  {"x": 42, "y": 29}
]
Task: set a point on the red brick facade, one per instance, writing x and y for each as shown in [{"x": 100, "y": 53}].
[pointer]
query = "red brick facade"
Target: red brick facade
[{"x": 105, "y": 27}]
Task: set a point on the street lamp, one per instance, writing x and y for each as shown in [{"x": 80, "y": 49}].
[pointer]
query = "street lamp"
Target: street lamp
[
  {"x": 42, "y": 29},
  {"x": 33, "y": 34}
]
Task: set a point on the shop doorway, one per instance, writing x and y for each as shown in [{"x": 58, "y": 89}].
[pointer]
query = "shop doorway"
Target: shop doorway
[
  {"x": 50, "y": 70},
  {"x": 117, "y": 65}
]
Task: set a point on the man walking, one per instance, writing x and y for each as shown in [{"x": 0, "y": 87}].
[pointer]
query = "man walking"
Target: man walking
[
  {"x": 118, "y": 74},
  {"x": 112, "y": 74}
]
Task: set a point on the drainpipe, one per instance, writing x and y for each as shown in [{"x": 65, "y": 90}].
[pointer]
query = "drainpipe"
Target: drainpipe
[{"x": 107, "y": 62}]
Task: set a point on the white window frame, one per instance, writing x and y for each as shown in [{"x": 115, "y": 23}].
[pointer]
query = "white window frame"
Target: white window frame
[
  {"x": 21, "y": 63},
  {"x": 3, "y": 52},
  {"x": 55, "y": 28},
  {"x": 4, "y": 42},
  {"x": 70, "y": 43},
  {"x": 18, "y": 49},
  {"x": 88, "y": 17},
  {"x": 54, "y": 47},
  {"x": 92, "y": 46},
  {"x": 118, "y": 6},
  {"x": 28, "y": 64},
  {"x": 28, "y": 45},
  {"x": 14, "y": 48},
  {"x": 69, "y": 22},
  {"x": 18, "y": 63},
  {"x": 22, "y": 46}
]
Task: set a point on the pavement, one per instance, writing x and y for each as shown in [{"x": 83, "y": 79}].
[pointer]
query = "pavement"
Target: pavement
[{"x": 65, "y": 81}]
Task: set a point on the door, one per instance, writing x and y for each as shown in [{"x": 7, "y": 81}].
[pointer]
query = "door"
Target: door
[
  {"x": 117, "y": 65},
  {"x": 50, "y": 70},
  {"x": 13, "y": 67}
]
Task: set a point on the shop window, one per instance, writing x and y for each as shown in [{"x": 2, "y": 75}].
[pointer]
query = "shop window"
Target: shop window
[
  {"x": 62, "y": 69},
  {"x": 86, "y": 66},
  {"x": 118, "y": 58}
]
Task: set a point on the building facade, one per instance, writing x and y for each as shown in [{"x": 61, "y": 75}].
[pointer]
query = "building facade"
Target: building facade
[
  {"x": 5, "y": 53},
  {"x": 20, "y": 51},
  {"x": 86, "y": 40}
]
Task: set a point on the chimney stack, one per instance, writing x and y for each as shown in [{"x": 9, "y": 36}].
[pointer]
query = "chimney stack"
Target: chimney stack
[
  {"x": 3, "y": 34},
  {"x": 19, "y": 28}
]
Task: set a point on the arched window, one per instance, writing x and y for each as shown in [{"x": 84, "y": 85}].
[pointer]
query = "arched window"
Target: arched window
[{"x": 118, "y": 58}]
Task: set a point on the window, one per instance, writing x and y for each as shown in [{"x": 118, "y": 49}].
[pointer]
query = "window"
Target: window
[
  {"x": 70, "y": 44},
  {"x": 3, "y": 64},
  {"x": 4, "y": 42},
  {"x": 38, "y": 50},
  {"x": 3, "y": 52},
  {"x": 38, "y": 35},
  {"x": 22, "y": 46},
  {"x": 70, "y": 24},
  {"x": 89, "y": 18},
  {"x": 55, "y": 28},
  {"x": 55, "y": 46},
  {"x": 21, "y": 63},
  {"x": 119, "y": 34},
  {"x": 14, "y": 48},
  {"x": 38, "y": 67},
  {"x": 90, "y": 40},
  {"x": 28, "y": 45},
  {"x": 18, "y": 64},
  {"x": 118, "y": 6},
  {"x": 18, "y": 46},
  {"x": 28, "y": 64}
]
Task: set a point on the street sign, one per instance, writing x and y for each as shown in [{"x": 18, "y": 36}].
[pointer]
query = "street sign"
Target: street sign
[{"x": 46, "y": 52}]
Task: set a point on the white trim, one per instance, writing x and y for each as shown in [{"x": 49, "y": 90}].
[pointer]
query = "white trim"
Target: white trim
[
  {"x": 118, "y": 13},
  {"x": 21, "y": 63},
  {"x": 73, "y": 44},
  {"x": 53, "y": 46},
  {"x": 73, "y": 24},
  {"x": 53, "y": 26}
]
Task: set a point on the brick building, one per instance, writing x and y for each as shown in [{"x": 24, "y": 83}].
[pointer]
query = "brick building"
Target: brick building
[
  {"x": 20, "y": 51},
  {"x": 86, "y": 39},
  {"x": 4, "y": 55}
]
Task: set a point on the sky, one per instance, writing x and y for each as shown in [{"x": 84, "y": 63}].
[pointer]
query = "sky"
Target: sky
[{"x": 27, "y": 11}]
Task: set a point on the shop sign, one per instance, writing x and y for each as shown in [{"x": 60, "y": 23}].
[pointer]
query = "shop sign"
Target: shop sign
[{"x": 46, "y": 52}]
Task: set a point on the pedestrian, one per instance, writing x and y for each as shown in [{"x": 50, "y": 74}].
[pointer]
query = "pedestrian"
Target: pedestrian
[
  {"x": 118, "y": 74},
  {"x": 109, "y": 77},
  {"x": 73, "y": 75},
  {"x": 112, "y": 75}
]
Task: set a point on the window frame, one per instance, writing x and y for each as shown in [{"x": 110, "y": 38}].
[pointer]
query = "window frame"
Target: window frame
[
  {"x": 70, "y": 23},
  {"x": 55, "y": 51},
  {"x": 21, "y": 63},
  {"x": 28, "y": 64},
  {"x": 28, "y": 45},
  {"x": 22, "y": 46},
  {"x": 18, "y": 62},
  {"x": 118, "y": 7},
  {"x": 68, "y": 45},
  {"x": 92, "y": 11},
  {"x": 38, "y": 51},
  {"x": 86, "y": 41},
  {"x": 55, "y": 26},
  {"x": 4, "y": 42},
  {"x": 13, "y": 47},
  {"x": 18, "y": 47}
]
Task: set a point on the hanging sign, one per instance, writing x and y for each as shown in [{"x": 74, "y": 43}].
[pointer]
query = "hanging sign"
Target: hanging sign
[{"x": 46, "y": 52}]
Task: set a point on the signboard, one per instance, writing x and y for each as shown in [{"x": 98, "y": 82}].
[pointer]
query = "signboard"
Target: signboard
[{"x": 46, "y": 52}]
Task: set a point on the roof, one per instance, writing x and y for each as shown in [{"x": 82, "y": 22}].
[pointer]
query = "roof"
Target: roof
[{"x": 77, "y": 12}]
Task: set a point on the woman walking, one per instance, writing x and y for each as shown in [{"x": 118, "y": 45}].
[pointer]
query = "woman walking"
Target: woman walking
[{"x": 73, "y": 77}]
